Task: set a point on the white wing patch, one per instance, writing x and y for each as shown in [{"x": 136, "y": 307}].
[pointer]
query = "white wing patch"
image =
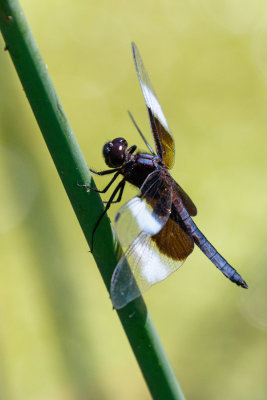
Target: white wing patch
[
  {"x": 138, "y": 215},
  {"x": 152, "y": 101},
  {"x": 134, "y": 217}
]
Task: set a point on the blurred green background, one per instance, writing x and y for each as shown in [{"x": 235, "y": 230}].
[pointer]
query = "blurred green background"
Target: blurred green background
[{"x": 59, "y": 338}]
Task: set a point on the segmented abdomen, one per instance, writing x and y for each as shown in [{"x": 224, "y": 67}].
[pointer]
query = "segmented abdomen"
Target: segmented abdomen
[{"x": 207, "y": 248}]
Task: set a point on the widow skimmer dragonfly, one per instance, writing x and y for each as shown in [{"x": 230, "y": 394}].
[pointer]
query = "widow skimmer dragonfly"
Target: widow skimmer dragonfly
[{"x": 156, "y": 226}]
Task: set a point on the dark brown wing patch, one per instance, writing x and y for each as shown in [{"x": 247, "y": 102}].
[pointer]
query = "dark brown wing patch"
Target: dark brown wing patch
[
  {"x": 173, "y": 242},
  {"x": 163, "y": 139}
]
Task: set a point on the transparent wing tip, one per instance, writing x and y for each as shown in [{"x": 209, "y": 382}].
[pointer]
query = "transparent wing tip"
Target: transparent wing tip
[
  {"x": 123, "y": 287},
  {"x": 121, "y": 298}
]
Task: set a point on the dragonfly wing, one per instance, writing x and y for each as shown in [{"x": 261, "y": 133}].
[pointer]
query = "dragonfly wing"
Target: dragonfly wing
[
  {"x": 149, "y": 260},
  {"x": 162, "y": 135},
  {"x": 187, "y": 202},
  {"x": 148, "y": 212}
]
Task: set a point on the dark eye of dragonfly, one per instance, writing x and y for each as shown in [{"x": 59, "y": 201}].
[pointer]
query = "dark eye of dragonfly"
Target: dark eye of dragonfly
[{"x": 114, "y": 152}]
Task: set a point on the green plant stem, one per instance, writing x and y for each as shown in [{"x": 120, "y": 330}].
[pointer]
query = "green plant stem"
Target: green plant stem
[{"x": 73, "y": 169}]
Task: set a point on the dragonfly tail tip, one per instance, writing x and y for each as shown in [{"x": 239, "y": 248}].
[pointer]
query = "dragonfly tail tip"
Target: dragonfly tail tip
[{"x": 244, "y": 285}]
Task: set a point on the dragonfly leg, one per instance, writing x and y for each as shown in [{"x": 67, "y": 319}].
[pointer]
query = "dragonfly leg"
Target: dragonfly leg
[
  {"x": 118, "y": 188},
  {"x": 132, "y": 149},
  {"x": 106, "y": 188},
  {"x": 106, "y": 172},
  {"x": 119, "y": 196}
]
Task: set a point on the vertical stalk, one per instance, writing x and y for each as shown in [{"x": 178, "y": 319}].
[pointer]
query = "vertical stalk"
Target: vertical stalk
[{"x": 73, "y": 169}]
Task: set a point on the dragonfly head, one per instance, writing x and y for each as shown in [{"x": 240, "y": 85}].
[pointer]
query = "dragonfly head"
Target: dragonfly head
[{"x": 114, "y": 152}]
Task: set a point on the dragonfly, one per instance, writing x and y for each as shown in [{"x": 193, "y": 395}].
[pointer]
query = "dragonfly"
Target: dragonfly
[{"x": 155, "y": 228}]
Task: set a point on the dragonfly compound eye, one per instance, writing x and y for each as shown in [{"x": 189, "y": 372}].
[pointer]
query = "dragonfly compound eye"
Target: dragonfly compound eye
[{"x": 114, "y": 152}]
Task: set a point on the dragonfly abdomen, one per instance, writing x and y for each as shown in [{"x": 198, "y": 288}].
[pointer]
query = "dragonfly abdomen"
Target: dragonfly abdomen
[
  {"x": 202, "y": 242},
  {"x": 215, "y": 257}
]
